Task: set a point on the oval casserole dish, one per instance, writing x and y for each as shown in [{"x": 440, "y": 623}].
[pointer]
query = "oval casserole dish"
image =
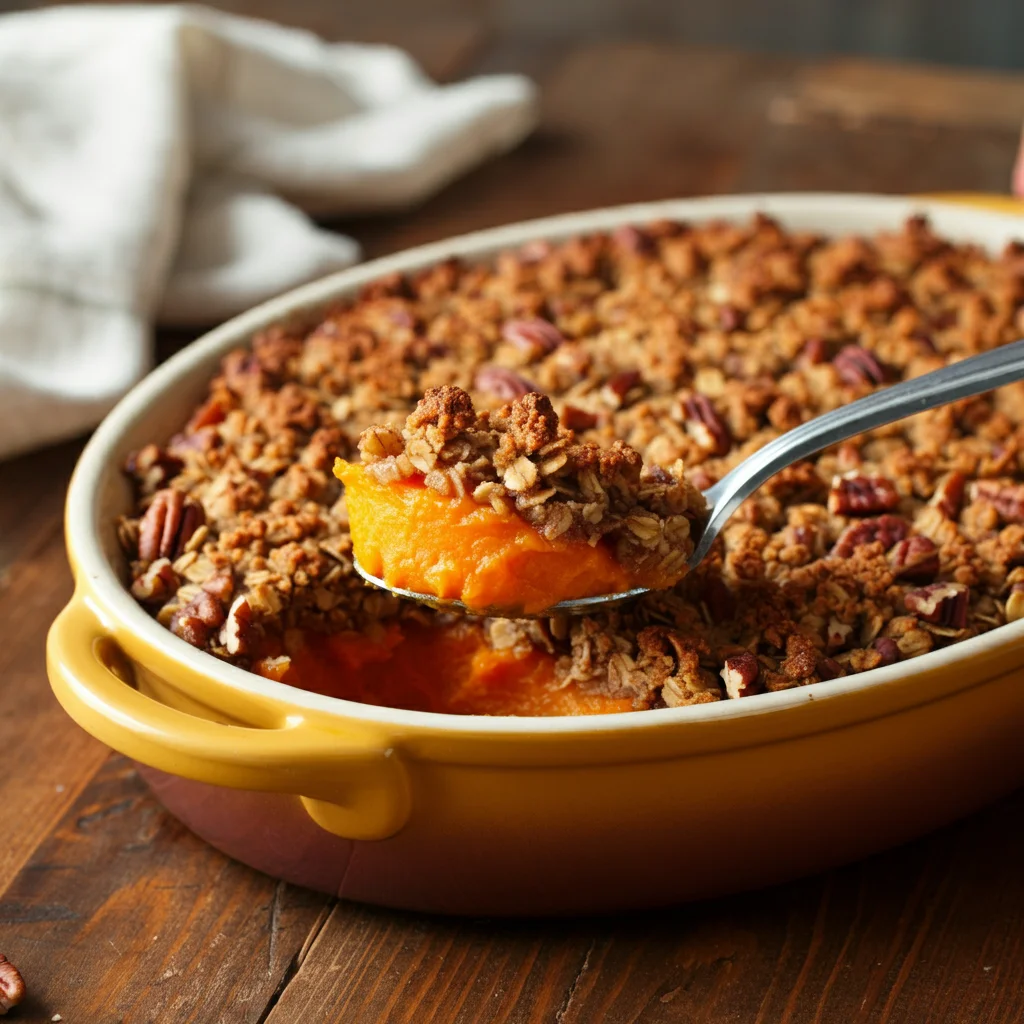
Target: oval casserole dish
[{"x": 479, "y": 815}]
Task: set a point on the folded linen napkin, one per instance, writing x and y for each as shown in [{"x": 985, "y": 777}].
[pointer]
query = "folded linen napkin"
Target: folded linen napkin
[{"x": 158, "y": 164}]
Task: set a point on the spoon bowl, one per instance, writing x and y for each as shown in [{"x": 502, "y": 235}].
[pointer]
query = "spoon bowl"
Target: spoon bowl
[{"x": 577, "y": 606}]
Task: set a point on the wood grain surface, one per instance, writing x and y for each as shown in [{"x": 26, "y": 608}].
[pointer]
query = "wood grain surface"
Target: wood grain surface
[{"x": 115, "y": 913}]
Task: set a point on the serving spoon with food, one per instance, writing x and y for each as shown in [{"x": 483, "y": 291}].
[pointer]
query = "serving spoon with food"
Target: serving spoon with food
[{"x": 964, "y": 379}]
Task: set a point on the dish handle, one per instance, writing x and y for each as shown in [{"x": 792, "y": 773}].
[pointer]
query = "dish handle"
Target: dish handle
[{"x": 352, "y": 786}]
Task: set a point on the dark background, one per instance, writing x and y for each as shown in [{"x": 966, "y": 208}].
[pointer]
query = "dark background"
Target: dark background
[{"x": 982, "y": 33}]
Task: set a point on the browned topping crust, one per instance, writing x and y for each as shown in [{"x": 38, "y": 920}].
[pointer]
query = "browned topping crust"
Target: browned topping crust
[
  {"x": 520, "y": 459},
  {"x": 698, "y": 343}
]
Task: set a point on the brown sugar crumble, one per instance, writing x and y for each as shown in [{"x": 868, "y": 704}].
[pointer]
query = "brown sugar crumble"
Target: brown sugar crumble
[
  {"x": 521, "y": 460},
  {"x": 697, "y": 343}
]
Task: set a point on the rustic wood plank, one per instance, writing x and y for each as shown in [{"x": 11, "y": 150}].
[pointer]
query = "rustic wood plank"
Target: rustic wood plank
[
  {"x": 51, "y": 757},
  {"x": 122, "y": 915},
  {"x": 31, "y": 499},
  {"x": 928, "y": 932},
  {"x": 625, "y": 122},
  {"x": 890, "y": 158},
  {"x": 373, "y": 965},
  {"x": 931, "y": 931},
  {"x": 620, "y": 123},
  {"x": 983, "y": 32},
  {"x": 858, "y": 91}
]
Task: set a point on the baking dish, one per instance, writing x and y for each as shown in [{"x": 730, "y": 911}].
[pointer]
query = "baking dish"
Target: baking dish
[{"x": 525, "y": 815}]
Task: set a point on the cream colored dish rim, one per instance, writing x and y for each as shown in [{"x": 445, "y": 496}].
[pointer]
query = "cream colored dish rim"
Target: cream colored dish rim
[{"x": 830, "y": 213}]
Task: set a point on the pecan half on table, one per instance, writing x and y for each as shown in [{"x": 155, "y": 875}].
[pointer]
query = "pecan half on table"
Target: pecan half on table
[{"x": 12, "y": 987}]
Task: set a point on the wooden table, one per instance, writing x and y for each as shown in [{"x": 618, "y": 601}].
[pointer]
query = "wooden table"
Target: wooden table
[{"x": 114, "y": 912}]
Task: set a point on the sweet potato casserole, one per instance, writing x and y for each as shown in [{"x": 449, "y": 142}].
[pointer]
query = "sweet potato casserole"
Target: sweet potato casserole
[{"x": 681, "y": 345}]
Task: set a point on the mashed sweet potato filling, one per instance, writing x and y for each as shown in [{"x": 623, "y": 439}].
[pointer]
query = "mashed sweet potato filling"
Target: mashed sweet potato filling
[
  {"x": 448, "y": 669},
  {"x": 414, "y": 538}
]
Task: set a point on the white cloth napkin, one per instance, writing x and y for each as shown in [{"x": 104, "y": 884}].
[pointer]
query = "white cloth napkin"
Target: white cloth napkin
[{"x": 158, "y": 163}]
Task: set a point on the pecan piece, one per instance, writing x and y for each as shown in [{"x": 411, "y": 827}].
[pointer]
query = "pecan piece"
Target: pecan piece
[
  {"x": 157, "y": 583},
  {"x": 575, "y": 418},
  {"x": 209, "y": 414},
  {"x": 829, "y": 668},
  {"x": 633, "y": 240},
  {"x": 168, "y": 524},
  {"x": 856, "y": 365},
  {"x": 916, "y": 558},
  {"x": 242, "y": 373},
  {"x": 856, "y": 495},
  {"x": 888, "y": 650},
  {"x": 705, "y": 425},
  {"x": 949, "y": 494},
  {"x": 741, "y": 675},
  {"x": 618, "y": 386},
  {"x": 12, "y": 987},
  {"x": 501, "y": 383},
  {"x": 535, "y": 251},
  {"x": 221, "y": 585},
  {"x": 838, "y": 634},
  {"x": 235, "y": 634},
  {"x": 730, "y": 318},
  {"x": 944, "y": 604},
  {"x": 1006, "y": 499},
  {"x": 814, "y": 352},
  {"x": 203, "y": 440},
  {"x": 885, "y": 530},
  {"x": 535, "y": 336},
  {"x": 195, "y": 621}
]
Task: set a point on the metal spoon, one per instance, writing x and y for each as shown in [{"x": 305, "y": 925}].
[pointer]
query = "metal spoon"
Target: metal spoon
[{"x": 972, "y": 376}]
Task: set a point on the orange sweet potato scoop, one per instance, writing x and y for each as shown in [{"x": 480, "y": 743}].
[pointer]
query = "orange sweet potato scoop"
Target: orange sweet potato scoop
[
  {"x": 508, "y": 512},
  {"x": 411, "y": 537}
]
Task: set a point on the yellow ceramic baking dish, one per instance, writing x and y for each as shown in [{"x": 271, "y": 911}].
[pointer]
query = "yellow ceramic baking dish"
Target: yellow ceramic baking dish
[{"x": 522, "y": 816}]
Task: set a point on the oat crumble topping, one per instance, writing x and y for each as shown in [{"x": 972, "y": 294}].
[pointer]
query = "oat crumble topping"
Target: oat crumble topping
[{"x": 684, "y": 342}]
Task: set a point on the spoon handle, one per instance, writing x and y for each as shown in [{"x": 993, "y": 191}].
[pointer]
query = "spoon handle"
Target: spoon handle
[{"x": 971, "y": 376}]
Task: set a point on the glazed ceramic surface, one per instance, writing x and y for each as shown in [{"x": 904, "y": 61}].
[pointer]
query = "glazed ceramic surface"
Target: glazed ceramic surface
[{"x": 525, "y": 815}]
